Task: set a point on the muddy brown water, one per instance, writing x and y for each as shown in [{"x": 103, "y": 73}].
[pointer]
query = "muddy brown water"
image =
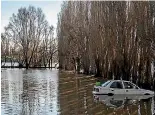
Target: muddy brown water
[{"x": 53, "y": 92}]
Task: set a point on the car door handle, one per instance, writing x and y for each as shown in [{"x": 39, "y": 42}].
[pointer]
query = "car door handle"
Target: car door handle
[
  {"x": 126, "y": 90},
  {"x": 112, "y": 90}
]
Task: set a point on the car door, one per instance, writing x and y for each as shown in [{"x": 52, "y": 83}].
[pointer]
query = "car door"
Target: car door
[
  {"x": 116, "y": 87},
  {"x": 129, "y": 88},
  {"x": 139, "y": 91}
]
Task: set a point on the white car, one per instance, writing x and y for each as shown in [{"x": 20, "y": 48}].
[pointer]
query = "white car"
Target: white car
[{"x": 112, "y": 87}]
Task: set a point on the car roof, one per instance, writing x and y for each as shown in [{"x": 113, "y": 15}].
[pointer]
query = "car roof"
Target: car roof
[{"x": 119, "y": 80}]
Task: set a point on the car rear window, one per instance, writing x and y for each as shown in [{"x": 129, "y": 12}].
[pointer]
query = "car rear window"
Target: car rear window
[{"x": 128, "y": 85}]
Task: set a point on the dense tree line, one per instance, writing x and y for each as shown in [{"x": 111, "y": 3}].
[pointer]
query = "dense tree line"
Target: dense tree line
[
  {"x": 108, "y": 38},
  {"x": 29, "y": 39}
]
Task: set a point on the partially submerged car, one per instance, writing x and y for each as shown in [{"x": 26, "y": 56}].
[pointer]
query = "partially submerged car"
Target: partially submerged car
[{"x": 112, "y": 87}]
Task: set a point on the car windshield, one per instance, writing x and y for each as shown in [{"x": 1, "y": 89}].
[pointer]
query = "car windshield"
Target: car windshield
[{"x": 105, "y": 84}]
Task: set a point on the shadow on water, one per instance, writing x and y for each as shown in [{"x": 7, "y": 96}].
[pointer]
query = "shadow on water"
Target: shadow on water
[{"x": 50, "y": 92}]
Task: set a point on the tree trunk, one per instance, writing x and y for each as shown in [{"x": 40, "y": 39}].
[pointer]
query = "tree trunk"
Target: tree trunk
[
  {"x": 78, "y": 65},
  {"x": 27, "y": 64},
  {"x": 98, "y": 71},
  {"x": 51, "y": 61}
]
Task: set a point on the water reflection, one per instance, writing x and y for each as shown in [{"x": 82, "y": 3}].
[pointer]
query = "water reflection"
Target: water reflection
[
  {"x": 50, "y": 92},
  {"x": 128, "y": 104},
  {"x": 29, "y": 92},
  {"x": 117, "y": 101}
]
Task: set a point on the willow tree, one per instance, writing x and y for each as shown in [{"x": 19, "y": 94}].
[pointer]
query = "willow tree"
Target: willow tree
[
  {"x": 26, "y": 30},
  {"x": 30, "y": 39}
]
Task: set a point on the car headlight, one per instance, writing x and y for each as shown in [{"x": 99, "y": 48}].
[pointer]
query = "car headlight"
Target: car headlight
[{"x": 96, "y": 89}]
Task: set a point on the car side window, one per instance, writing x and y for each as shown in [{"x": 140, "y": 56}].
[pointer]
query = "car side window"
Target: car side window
[
  {"x": 128, "y": 85},
  {"x": 117, "y": 85}
]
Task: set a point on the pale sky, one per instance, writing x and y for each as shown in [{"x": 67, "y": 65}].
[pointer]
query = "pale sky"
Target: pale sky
[{"x": 50, "y": 9}]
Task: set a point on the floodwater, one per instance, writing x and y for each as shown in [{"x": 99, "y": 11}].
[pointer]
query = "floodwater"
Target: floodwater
[
  {"x": 51, "y": 92},
  {"x": 10, "y": 64}
]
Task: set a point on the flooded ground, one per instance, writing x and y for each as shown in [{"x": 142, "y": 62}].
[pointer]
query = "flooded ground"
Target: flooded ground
[{"x": 50, "y": 92}]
